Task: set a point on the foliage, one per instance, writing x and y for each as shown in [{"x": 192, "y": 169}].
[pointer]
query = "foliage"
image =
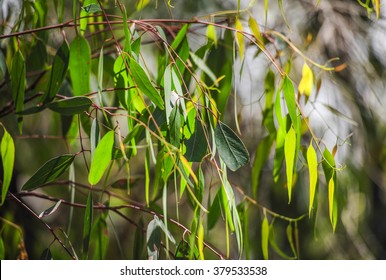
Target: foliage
[{"x": 138, "y": 113}]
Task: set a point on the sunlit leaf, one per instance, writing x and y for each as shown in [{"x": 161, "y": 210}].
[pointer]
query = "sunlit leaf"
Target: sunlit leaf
[
  {"x": 211, "y": 34},
  {"x": 200, "y": 241},
  {"x": 50, "y": 171},
  {"x": 71, "y": 106},
  {"x": 18, "y": 75},
  {"x": 307, "y": 82},
  {"x": 230, "y": 147},
  {"x": 377, "y": 7},
  {"x": 80, "y": 65},
  {"x": 87, "y": 225},
  {"x": 144, "y": 84},
  {"x": 256, "y": 31},
  {"x": 142, "y": 4},
  {"x": 312, "y": 161},
  {"x": 101, "y": 159},
  {"x": 50, "y": 210},
  {"x": 240, "y": 37},
  {"x": 58, "y": 72},
  {"x": 265, "y": 237},
  {"x": 8, "y": 159},
  {"x": 289, "y": 96},
  {"x": 331, "y": 193},
  {"x": 289, "y": 153}
]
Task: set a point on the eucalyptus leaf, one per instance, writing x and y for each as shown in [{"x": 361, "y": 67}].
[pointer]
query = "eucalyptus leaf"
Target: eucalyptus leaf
[
  {"x": 71, "y": 106},
  {"x": 7, "y": 148}
]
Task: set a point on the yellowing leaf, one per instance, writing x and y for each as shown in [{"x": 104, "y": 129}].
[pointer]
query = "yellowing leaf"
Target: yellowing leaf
[
  {"x": 240, "y": 37},
  {"x": 8, "y": 159},
  {"x": 377, "y": 7},
  {"x": 331, "y": 190},
  {"x": 256, "y": 31},
  {"x": 289, "y": 153},
  {"x": 264, "y": 237},
  {"x": 312, "y": 161},
  {"x": 142, "y": 4},
  {"x": 307, "y": 82},
  {"x": 211, "y": 34},
  {"x": 200, "y": 241}
]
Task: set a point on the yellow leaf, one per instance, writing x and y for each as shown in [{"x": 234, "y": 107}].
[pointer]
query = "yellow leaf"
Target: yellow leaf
[
  {"x": 377, "y": 7},
  {"x": 240, "y": 37},
  {"x": 312, "y": 161},
  {"x": 289, "y": 153},
  {"x": 307, "y": 82},
  {"x": 265, "y": 237},
  {"x": 211, "y": 34},
  {"x": 188, "y": 167},
  {"x": 331, "y": 190},
  {"x": 142, "y": 4},
  {"x": 256, "y": 31},
  {"x": 200, "y": 241}
]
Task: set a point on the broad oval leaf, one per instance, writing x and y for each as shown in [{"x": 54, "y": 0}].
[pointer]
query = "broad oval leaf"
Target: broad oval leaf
[
  {"x": 8, "y": 160},
  {"x": 230, "y": 147},
  {"x": 312, "y": 161},
  {"x": 265, "y": 237},
  {"x": 80, "y": 65},
  {"x": 50, "y": 171},
  {"x": 289, "y": 153},
  {"x": 101, "y": 159},
  {"x": 71, "y": 106},
  {"x": 58, "y": 72},
  {"x": 144, "y": 84}
]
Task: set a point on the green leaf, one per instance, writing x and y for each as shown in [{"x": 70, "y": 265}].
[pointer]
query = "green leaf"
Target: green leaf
[
  {"x": 80, "y": 65},
  {"x": 203, "y": 67},
  {"x": 101, "y": 159},
  {"x": 331, "y": 194},
  {"x": 50, "y": 171},
  {"x": 50, "y": 210},
  {"x": 280, "y": 2},
  {"x": 211, "y": 34},
  {"x": 144, "y": 84},
  {"x": 87, "y": 225},
  {"x": 100, "y": 237},
  {"x": 230, "y": 147},
  {"x": 183, "y": 251},
  {"x": 168, "y": 90},
  {"x": 289, "y": 96},
  {"x": 71, "y": 106},
  {"x": 312, "y": 161},
  {"x": 256, "y": 31},
  {"x": 153, "y": 238},
  {"x": 289, "y": 232},
  {"x": 261, "y": 156},
  {"x": 240, "y": 38},
  {"x": 214, "y": 211},
  {"x": 265, "y": 237},
  {"x": 289, "y": 153},
  {"x": 58, "y": 72},
  {"x": 92, "y": 8},
  {"x": 8, "y": 159},
  {"x": 18, "y": 75},
  {"x": 196, "y": 145},
  {"x": 175, "y": 127},
  {"x": 2, "y": 249}
]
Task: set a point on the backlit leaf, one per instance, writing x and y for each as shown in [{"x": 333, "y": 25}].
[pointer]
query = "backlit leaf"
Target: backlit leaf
[
  {"x": 200, "y": 241},
  {"x": 230, "y": 147},
  {"x": 142, "y": 4},
  {"x": 18, "y": 75},
  {"x": 101, "y": 159},
  {"x": 50, "y": 171},
  {"x": 256, "y": 31},
  {"x": 289, "y": 153},
  {"x": 307, "y": 82},
  {"x": 80, "y": 65},
  {"x": 331, "y": 193},
  {"x": 211, "y": 34},
  {"x": 289, "y": 96},
  {"x": 312, "y": 161},
  {"x": 144, "y": 84},
  {"x": 240, "y": 37},
  {"x": 265, "y": 237},
  {"x": 8, "y": 160},
  {"x": 71, "y": 106}
]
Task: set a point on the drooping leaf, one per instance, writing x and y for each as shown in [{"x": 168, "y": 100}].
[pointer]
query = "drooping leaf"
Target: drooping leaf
[
  {"x": 153, "y": 238},
  {"x": 312, "y": 161},
  {"x": 168, "y": 91},
  {"x": 307, "y": 82},
  {"x": 91, "y": 8},
  {"x": 261, "y": 155},
  {"x": 50, "y": 171},
  {"x": 175, "y": 128},
  {"x": 200, "y": 241},
  {"x": 329, "y": 167},
  {"x": 256, "y": 31},
  {"x": 280, "y": 2},
  {"x": 71, "y": 106},
  {"x": 265, "y": 237},
  {"x": 142, "y": 4},
  {"x": 80, "y": 65},
  {"x": 8, "y": 160},
  {"x": 18, "y": 75},
  {"x": 331, "y": 194},
  {"x": 203, "y": 67},
  {"x": 196, "y": 145},
  {"x": 214, "y": 211},
  {"x": 289, "y": 153},
  {"x": 102, "y": 157},
  {"x": 87, "y": 226},
  {"x": 230, "y": 147},
  {"x": 289, "y": 96},
  {"x": 58, "y": 72},
  {"x": 211, "y": 34},
  {"x": 183, "y": 251},
  {"x": 50, "y": 210},
  {"x": 240, "y": 37},
  {"x": 144, "y": 84},
  {"x": 100, "y": 237},
  {"x": 289, "y": 232}
]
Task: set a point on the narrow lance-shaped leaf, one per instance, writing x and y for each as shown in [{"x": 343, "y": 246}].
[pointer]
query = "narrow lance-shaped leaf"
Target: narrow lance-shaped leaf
[
  {"x": 289, "y": 96},
  {"x": 87, "y": 225},
  {"x": 50, "y": 171},
  {"x": 18, "y": 74},
  {"x": 240, "y": 37},
  {"x": 289, "y": 153},
  {"x": 71, "y": 106},
  {"x": 58, "y": 72},
  {"x": 312, "y": 161},
  {"x": 330, "y": 173},
  {"x": 8, "y": 160},
  {"x": 211, "y": 34},
  {"x": 307, "y": 82},
  {"x": 153, "y": 238},
  {"x": 256, "y": 31},
  {"x": 331, "y": 193},
  {"x": 144, "y": 84},
  {"x": 101, "y": 159},
  {"x": 280, "y": 2},
  {"x": 265, "y": 237},
  {"x": 80, "y": 65},
  {"x": 200, "y": 241},
  {"x": 50, "y": 210},
  {"x": 230, "y": 147}
]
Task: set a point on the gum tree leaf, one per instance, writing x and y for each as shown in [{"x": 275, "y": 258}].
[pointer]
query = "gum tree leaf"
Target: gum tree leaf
[
  {"x": 289, "y": 96},
  {"x": 256, "y": 31},
  {"x": 261, "y": 156},
  {"x": 230, "y": 147},
  {"x": 8, "y": 160},
  {"x": 307, "y": 82},
  {"x": 71, "y": 106},
  {"x": 289, "y": 153},
  {"x": 211, "y": 34},
  {"x": 196, "y": 145},
  {"x": 330, "y": 173},
  {"x": 265, "y": 237},
  {"x": 50, "y": 210},
  {"x": 153, "y": 238},
  {"x": 18, "y": 74},
  {"x": 312, "y": 161},
  {"x": 101, "y": 159},
  {"x": 58, "y": 72},
  {"x": 80, "y": 65},
  {"x": 144, "y": 84},
  {"x": 50, "y": 171},
  {"x": 240, "y": 37},
  {"x": 87, "y": 225},
  {"x": 92, "y": 8}
]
